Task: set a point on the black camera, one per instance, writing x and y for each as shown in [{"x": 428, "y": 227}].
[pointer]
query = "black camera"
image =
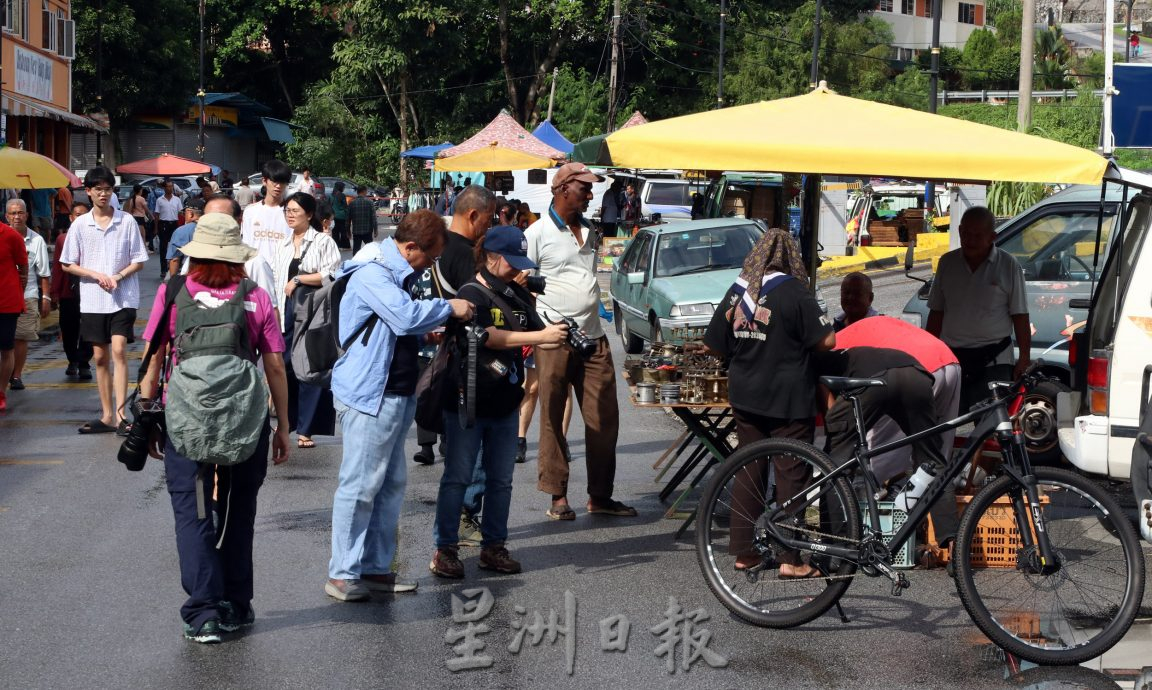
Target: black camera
[
  {"x": 147, "y": 416},
  {"x": 474, "y": 333},
  {"x": 578, "y": 339},
  {"x": 535, "y": 285}
]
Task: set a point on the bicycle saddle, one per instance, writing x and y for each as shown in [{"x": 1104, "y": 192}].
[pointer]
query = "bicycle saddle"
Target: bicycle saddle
[{"x": 839, "y": 384}]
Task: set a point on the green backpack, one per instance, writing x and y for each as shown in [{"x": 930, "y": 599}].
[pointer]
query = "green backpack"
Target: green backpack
[{"x": 217, "y": 399}]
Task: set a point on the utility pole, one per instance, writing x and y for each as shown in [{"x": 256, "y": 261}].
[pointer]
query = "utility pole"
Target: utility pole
[
  {"x": 99, "y": 77},
  {"x": 934, "y": 92},
  {"x": 200, "y": 92},
  {"x": 814, "y": 74},
  {"x": 1127, "y": 32},
  {"x": 613, "y": 80},
  {"x": 1107, "y": 141},
  {"x": 720, "y": 68},
  {"x": 552, "y": 94},
  {"x": 1027, "y": 44}
]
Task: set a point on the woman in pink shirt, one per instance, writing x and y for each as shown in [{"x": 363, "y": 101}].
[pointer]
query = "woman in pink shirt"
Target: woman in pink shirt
[{"x": 216, "y": 555}]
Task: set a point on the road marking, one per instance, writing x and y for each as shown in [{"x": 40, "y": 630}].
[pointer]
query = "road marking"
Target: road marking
[
  {"x": 42, "y": 386},
  {"x": 31, "y": 462}
]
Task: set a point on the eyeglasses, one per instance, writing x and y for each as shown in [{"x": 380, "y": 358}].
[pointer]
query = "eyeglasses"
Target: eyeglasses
[
  {"x": 292, "y": 211},
  {"x": 102, "y": 190}
]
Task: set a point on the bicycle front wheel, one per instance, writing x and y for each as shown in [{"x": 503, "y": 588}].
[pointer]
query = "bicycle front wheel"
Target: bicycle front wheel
[
  {"x": 1069, "y": 616},
  {"x": 740, "y": 560}
]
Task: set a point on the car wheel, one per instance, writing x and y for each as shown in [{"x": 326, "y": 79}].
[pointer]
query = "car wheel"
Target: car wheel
[
  {"x": 654, "y": 335},
  {"x": 1038, "y": 421},
  {"x": 633, "y": 345}
]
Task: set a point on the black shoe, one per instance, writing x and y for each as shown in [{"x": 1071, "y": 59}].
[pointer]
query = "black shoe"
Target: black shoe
[
  {"x": 424, "y": 456},
  {"x": 85, "y": 374},
  {"x": 521, "y": 450},
  {"x": 15, "y": 384},
  {"x": 71, "y": 370},
  {"x": 123, "y": 428},
  {"x": 232, "y": 618}
]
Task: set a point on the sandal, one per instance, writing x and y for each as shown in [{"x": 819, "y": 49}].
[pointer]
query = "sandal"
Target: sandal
[
  {"x": 561, "y": 512},
  {"x": 813, "y": 574},
  {"x": 305, "y": 443},
  {"x": 96, "y": 426},
  {"x": 611, "y": 507}
]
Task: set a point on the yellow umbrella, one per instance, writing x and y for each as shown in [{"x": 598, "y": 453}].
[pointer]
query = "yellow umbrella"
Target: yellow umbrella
[
  {"x": 26, "y": 170},
  {"x": 822, "y": 132},
  {"x": 492, "y": 158}
]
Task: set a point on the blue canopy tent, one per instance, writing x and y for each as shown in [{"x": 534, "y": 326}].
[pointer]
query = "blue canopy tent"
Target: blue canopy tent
[
  {"x": 548, "y": 134},
  {"x": 427, "y": 152}
]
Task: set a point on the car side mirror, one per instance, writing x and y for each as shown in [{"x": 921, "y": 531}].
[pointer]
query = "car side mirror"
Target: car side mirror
[{"x": 636, "y": 278}]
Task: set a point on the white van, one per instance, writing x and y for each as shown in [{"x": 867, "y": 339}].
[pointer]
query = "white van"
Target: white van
[{"x": 1100, "y": 420}]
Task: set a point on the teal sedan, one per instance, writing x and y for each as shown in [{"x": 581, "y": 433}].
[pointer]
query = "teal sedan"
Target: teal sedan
[{"x": 673, "y": 276}]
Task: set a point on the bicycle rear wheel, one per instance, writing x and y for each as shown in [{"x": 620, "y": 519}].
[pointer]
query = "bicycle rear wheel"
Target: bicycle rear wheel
[
  {"x": 731, "y": 524},
  {"x": 1072, "y": 615}
]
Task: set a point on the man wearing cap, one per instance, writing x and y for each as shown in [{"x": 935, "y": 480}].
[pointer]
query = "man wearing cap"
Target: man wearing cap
[
  {"x": 503, "y": 309},
  {"x": 105, "y": 250},
  {"x": 183, "y": 235},
  {"x": 563, "y": 245}
]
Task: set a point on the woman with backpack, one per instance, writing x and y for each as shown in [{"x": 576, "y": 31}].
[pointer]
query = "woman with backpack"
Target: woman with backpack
[
  {"x": 305, "y": 258},
  {"x": 216, "y": 555},
  {"x": 504, "y": 309}
]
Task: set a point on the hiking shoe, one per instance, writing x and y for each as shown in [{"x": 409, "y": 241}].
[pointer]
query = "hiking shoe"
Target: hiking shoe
[
  {"x": 72, "y": 369},
  {"x": 446, "y": 563},
  {"x": 469, "y": 533},
  {"x": 232, "y": 619},
  {"x": 424, "y": 456},
  {"x": 496, "y": 558},
  {"x": 16, "y": 384},
  {"x": 388, "y": 583},
  {"x": 207, "y": 633},
  {"x": 521, "y": 450},
  {"x": 346, "y": 590}
]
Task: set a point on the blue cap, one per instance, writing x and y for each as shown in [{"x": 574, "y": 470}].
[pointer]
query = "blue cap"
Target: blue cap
[{"x": 509, "y": 242}]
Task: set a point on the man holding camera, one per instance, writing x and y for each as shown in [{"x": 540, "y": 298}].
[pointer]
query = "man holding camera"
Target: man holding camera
[{"x": 563, "y": 245}]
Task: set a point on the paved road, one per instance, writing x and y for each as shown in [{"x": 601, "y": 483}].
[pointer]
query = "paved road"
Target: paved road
[
  {"x": 89, "y": 582},
  {"x": 1091, "y": 36}
]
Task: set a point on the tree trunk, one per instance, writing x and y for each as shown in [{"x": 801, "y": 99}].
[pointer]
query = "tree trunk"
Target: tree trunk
[
  {"x": 556, "y": 44},
  {"x": 506, "y": 63}
]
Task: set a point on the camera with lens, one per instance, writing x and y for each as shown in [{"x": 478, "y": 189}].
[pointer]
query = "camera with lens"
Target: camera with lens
[
  {"x": 578, "y": 339},
  {"x": 475, "y": 334},
  {"x": 535, "y": 285},
  {"x": 147, "y": 416}
]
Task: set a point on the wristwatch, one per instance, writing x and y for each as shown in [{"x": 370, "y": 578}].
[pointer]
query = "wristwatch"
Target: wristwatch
[{"x": 296, "y": 281}]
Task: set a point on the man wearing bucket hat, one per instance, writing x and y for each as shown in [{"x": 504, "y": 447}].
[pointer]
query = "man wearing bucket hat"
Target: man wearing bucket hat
[
  {"x": 216, "y": 554},
  {"x": 503, "y": 309},
  {"x": 563, "y": 244}
]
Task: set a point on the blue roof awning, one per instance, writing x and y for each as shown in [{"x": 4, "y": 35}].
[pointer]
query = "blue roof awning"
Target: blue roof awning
[
  {"x": 548, "y": 134},
  {"x": 278, "y": 130},
  {"x": 426, "y": 152}
]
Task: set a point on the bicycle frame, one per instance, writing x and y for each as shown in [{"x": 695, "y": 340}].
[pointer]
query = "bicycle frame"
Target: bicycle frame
[{"x": 994, "y": 420}]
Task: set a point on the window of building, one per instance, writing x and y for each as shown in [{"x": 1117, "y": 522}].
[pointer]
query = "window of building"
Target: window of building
[
  {"x": 908, "y": 7},
  {"x": 16, "y": 18},
  {"x": 884, "y": 6},
  {"x": 928, "y": 8},
  {"x": 905, "y": 54},
  {"x": 966, "y": 14},
  {"x": 48, "y": 28},
  {"x": 65, "y": 36}
]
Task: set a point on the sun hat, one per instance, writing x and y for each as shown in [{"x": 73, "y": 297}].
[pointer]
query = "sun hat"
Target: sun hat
[
  {"x": 509, "y": 242},
  {"x": 217, "y": 238}
]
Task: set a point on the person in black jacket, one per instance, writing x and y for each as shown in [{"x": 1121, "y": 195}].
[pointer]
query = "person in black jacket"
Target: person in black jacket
[{"x": 768, "y": 326}]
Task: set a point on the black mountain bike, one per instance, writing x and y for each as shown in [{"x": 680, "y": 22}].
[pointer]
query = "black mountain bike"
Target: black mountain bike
[{"x": 1046, "y": 563}]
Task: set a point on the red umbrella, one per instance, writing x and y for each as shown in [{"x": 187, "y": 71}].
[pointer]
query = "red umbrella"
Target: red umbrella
[
  {"x": 73, "y": 181},
  {"x": 164, "y": 164}
]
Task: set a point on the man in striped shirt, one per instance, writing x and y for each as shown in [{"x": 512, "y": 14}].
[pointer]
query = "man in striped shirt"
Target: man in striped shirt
[{"x": 104, "y": 248}]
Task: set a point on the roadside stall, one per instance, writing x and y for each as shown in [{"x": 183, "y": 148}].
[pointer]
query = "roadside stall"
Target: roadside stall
[{"x": 824, "y": 133}]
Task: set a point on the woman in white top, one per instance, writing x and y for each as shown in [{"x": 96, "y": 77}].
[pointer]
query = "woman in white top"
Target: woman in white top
[{"x": 302, "y": 262}]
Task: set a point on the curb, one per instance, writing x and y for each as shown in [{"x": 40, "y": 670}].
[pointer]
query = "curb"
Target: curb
[{"x": 876, "y": 258}]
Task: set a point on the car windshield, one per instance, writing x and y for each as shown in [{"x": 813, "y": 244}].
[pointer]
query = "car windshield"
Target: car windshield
[{"x": 709, "y": 249}]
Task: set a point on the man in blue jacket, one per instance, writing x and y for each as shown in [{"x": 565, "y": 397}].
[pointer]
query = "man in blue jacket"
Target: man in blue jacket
[{"x": 374, "y": 386}]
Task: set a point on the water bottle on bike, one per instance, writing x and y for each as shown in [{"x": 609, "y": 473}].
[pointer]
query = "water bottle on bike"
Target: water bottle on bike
[{"x": 917, "y": 484}]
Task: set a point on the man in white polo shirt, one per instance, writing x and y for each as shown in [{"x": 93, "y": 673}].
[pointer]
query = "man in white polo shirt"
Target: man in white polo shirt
[
  {"x": 264, "y": 226},
  {"x": 563, "y": 244},
  {"x": 976, "y": 304},
  {"x": 168, "y": 208},
  {"x": 104, "y": 248}
]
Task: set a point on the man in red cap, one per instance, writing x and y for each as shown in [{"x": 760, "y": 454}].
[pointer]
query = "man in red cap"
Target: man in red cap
[{"x": 563, "y": 245}]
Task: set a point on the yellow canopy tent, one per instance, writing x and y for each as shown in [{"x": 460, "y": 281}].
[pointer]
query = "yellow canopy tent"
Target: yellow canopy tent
[
  {"x": 822, "y": 132},
  {"x": 492, "y": 158}
]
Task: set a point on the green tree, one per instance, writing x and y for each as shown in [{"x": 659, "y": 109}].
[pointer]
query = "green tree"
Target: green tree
[
  {"x": 140, "y": 72},
  {"x": 1051, "y": 59}
]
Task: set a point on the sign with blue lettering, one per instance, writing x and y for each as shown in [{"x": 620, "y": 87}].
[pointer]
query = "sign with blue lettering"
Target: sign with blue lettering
[{"x": 33, "y": 74}]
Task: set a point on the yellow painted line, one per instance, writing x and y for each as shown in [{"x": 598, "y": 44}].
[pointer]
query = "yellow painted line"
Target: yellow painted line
[
  {"x": 37, "y": 422},
  {"x": 3, "y": 509},
  {"x": 31, "y": 462},
  {"x": 53, "y": 386}
]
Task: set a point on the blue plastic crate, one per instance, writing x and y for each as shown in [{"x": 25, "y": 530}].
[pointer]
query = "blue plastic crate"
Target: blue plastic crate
[{"x": 892, "y": 519}]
